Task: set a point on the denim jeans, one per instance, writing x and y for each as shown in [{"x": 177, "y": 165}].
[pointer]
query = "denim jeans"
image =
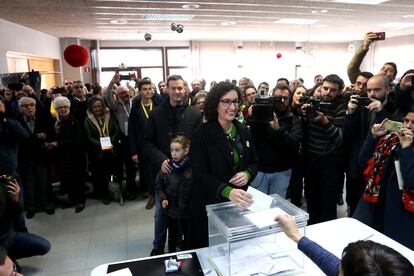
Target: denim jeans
[
  {"x": 23, "y": 245},
  {"x": 272, "y": 183},
  {"x": 160, "y": 226}
]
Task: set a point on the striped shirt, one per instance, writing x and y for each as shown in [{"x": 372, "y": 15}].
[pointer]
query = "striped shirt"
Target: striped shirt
[{"x": 327, "y": 139}]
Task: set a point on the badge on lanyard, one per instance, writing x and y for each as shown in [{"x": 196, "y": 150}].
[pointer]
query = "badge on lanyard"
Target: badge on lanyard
[{"x": 106, "y": 143}]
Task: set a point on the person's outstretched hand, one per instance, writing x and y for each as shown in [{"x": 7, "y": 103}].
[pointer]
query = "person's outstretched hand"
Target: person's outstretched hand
[{"x": 288, "y": 225}]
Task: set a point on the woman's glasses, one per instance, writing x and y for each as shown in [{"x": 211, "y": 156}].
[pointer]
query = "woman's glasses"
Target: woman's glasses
[{"x": 228, "y": 102}]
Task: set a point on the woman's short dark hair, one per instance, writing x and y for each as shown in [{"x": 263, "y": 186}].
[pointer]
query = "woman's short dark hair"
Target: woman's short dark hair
[
  {"x": 214, "y": 96},
  {"x": 95, "y": 99},
  {"x": 368, "y": 258}
]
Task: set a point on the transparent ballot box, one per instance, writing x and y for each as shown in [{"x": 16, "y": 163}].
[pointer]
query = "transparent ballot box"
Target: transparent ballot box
[{"x": 240, "y": 244}]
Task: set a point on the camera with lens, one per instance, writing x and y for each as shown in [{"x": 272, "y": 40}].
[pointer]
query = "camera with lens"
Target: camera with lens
[
  {"x": 315, "y": 105},
  {"x": 264, "y": 107},
  {"x": 5, "y": 180}
]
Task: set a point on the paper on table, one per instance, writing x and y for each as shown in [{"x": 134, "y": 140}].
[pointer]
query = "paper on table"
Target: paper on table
[
  {"x": 122, "y": 272},
  {"x": 265, "y": 217},
  {"x": 261, "y": 201}
]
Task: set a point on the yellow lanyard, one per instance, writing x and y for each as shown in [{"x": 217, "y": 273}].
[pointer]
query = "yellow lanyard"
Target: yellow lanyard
[
  {"x": 104, "y": 130},
  {"x": 145, "y": 110}
]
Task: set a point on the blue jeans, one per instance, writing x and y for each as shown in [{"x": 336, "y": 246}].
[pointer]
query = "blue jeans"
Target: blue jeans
[
  {"x": 22, "y": 245},
  {"x": 160, "y": 226},
  {"x": 272, "y": 183}
]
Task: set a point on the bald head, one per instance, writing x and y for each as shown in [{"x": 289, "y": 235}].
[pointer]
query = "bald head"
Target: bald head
[
  {"x": 122, "y": 92},
  {"x": 378, "y": 87}
]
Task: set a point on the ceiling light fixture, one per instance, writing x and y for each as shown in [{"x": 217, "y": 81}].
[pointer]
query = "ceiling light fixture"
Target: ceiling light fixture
[
  {"x": 408, "y": 16},
  {"x": 361, "y": 2},
  {"x": 168, "y": 17},
  {"x": 319, "y": 11},
  {"x": 119, "y": 21},
  {"x": 296, "y": 21},
  {"x": 228, "y": 23},
  {"x": 190, "y": 6},
  {"x": 396, "y": 25}
]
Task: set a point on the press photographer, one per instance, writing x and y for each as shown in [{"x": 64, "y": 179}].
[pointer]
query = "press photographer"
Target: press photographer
[
  {"x": 362, "y": 113},
  {"x": 276, "y": 135},
  {"x": 322, "y": 141}
]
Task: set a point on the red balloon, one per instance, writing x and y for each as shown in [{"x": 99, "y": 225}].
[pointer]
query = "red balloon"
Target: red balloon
[
  {"x": 76, "y": 55},
  {"x": 278, "y": 55}
]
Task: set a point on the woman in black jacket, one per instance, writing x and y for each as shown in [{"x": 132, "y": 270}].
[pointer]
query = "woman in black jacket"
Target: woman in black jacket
[
  {"x": 103, "y": 134},
  {"x": 223, "y": 160},
  {"x": 69, "y": 144}
]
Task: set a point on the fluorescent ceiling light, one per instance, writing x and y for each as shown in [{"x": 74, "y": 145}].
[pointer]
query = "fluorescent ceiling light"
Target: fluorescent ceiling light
[
  {"x": 319, "y": 11},
  {"x": 362, "y": 2},
  {"x": 168, "y": 17},
  {"x": 119, "y": 21},
  {"x": 190, "y": 6},
  {"x": 296, "y": 21},
  {"x": 228, "y": 23},
  {"x": 396, "y": 25},
  {"x": 408, "y": 16}
]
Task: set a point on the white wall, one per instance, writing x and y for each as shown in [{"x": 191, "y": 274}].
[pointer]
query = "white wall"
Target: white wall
[
  {"x": 133, "y": 43},
  {"x": 258, "y": 60},
  {"x": 21, "y": 39},
  {"x": 397, "y": 49}
]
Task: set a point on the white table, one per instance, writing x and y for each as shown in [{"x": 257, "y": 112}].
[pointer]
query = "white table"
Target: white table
[{"x": 333, "y": 235}]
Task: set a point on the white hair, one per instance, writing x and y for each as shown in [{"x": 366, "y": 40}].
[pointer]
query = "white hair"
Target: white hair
[
  {"x": 26, "y": 99},
  {"x": 60, "y": 100}
]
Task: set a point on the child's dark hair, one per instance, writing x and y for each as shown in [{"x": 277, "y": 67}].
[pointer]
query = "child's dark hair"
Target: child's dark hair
[{"x": 182, "y": 140}]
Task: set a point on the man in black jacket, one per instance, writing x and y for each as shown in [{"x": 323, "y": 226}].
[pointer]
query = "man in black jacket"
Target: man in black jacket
[
  {"x": 172, "y": 118},
  {"x": 277, "y": 145},
  {"x": 323, "y": 137},
  {"x": 358, "y": 121},
  {"x": 140, "y": 111},
  {"x": 32, "y": 163}
]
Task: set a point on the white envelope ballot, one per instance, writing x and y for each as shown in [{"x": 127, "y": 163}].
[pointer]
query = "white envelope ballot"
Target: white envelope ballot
[{"x": 261, "y": 201}]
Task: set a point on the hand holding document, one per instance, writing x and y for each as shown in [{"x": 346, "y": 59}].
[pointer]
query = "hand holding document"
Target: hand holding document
[
  {"x": 261, "y": 201},
  {"x": 262, "y": 215}
]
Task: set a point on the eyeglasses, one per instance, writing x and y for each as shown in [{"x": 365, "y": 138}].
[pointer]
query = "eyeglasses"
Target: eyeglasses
[
  {"x": 78, "y": 87},
  {"x": 68, "y": 83},
  {"x": 63, "y": 107},
  {"x": 28, "y": 105},
  {"x": 228, "y": 102},
  {"x": 14, "y": 270}
]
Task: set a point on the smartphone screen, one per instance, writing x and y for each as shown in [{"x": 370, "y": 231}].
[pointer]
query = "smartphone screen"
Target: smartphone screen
[
  {"x": 393, "y": 126},
  {"x": 379, "y": 36}
]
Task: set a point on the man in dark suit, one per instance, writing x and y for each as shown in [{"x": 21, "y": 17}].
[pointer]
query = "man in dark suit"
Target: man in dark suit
[{"x": 32, "y": 163}]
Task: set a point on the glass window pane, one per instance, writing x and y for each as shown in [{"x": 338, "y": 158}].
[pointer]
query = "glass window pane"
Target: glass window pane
[
  {"x": 130, "y": 57},
  {"x": 184, "y": 72},
  {"x": 179, "y": 57},
  {"x": 108, "y": 75},
  {"x": 155, "y": 74}
]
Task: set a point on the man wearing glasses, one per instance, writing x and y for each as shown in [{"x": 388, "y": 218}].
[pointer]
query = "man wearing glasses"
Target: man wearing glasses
[{"x": 7, "y": 267}]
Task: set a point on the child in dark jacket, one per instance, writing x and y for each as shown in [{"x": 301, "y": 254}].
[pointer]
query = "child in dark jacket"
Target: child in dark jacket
[{"x": 174, "y": 191}]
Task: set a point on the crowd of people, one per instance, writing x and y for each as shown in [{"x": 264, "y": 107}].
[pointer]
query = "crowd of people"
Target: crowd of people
[{"x": 194, "y": 147}]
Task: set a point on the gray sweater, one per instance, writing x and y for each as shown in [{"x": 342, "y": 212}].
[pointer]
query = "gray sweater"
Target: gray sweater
[{"x": 120, "y": 109}]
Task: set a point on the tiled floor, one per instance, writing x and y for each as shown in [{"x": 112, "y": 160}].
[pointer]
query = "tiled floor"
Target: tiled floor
[{"x": 100, "y": 234}]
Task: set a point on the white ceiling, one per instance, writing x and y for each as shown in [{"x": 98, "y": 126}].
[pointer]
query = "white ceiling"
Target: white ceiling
[{"x": 254, "y": 19}]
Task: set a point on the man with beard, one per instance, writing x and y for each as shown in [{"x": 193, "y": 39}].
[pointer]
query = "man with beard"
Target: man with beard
[
  {"x": 323, "y": 137},
  {"x": 277, "y": 145},
  {"x": 358, "y": 121}
]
